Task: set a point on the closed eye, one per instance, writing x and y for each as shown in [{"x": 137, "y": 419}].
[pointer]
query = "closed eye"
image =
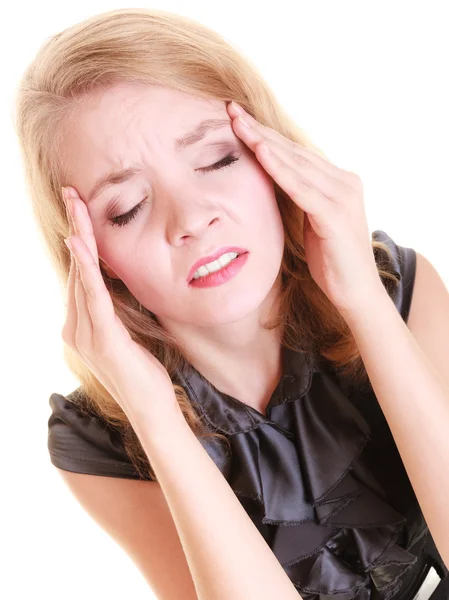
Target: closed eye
[
  {"x": 122, "y": 220},
  {"x": 224, "y": 162}
]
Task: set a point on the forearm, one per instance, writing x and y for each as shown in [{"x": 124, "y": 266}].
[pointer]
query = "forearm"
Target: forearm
[
  {"x": 226, "y": 554},
  {"x": 415, "y": 403}
]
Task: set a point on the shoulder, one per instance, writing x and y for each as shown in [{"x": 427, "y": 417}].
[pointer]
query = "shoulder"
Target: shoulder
[
  {"x": 429, "y": 315},
  {"x": 81, "y": 442},
  {"x": 402, "y": 262},
  {"x": 430, "y": 296}
]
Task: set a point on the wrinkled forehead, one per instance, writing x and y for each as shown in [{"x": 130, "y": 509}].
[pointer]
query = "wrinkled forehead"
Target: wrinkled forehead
[
  {"x": 126, "y": 121},
  {"x": 163, "y": 112},
  {"x": 109, "y": 120}
]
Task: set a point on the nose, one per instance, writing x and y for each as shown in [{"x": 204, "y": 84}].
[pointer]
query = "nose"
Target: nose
[{"x": 190, "y": 219}]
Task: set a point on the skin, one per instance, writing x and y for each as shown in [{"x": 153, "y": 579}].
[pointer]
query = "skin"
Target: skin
[
  {"x": 188, "y": 215},
  {"x": 341, "y": 262}
]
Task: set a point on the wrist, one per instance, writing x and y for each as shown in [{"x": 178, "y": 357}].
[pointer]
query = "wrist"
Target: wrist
[
  {"x": 363, "y": 307},
  {"x": 154, "y": 425}
]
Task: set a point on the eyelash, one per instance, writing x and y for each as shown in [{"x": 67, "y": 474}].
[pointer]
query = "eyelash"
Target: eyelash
[{"x": 122, "y": 220}]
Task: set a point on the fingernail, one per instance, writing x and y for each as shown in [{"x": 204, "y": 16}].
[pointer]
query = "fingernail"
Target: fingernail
[
  {"x": 237, "y": 107},
  {"x": 69, "y": 192},
  {"x": 68, "y": 243}
]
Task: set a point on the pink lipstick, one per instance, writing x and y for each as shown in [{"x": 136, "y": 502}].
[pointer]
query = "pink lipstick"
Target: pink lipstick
[{"x": 222, "y": 275}]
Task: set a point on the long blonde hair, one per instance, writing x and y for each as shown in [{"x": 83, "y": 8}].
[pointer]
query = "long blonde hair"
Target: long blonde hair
[{"x": 157, "y": 47}]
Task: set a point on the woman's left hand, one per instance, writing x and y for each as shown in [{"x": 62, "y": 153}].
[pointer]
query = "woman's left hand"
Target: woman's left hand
[{"x": 337, "y": 242}]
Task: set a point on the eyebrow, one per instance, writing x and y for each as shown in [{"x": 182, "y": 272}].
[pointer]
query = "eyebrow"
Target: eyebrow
[{"x": 188, "y": 139}]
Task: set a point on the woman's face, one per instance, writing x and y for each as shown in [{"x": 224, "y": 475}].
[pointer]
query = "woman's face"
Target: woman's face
[{"x": 184, "y": 213}]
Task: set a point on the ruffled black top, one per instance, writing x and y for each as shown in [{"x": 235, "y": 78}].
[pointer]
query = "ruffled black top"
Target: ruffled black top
[{"x": 319, "y": 474}]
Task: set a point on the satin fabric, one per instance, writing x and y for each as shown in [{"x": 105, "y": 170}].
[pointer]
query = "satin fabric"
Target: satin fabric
[{"x": 319, "y": 474}]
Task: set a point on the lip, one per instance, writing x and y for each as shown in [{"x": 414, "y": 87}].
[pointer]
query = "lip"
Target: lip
[
  {"x": 212, "y": 257},
  {"x": 223, "y": 275}
]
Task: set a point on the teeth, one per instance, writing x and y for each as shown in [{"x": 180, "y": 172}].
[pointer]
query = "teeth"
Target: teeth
[{"x": 211, "y": 267}]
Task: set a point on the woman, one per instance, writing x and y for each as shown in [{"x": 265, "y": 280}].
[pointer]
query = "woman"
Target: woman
[{"x": 227, "y": 306}]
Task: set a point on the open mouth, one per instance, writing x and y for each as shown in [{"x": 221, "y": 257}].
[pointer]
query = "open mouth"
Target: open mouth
[
  {"x": 221, "y": 263},
  {"x": 233, "y": 262}
]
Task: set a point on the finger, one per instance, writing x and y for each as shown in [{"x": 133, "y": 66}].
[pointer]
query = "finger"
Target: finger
[
  {"x": 240, "y": 116},
  {"x": 82, "y": 222},
  {"x": 268, "y": 133},
  {"x": 83, "y": 331},
  {"x": 79, "y": 323},
  {"x": 71, "y": 321},
  {"x": 309, "y": 198},
  {"x": 307, "y": 174},
  {"x": 70, "y": 324},
  {"x": 93, "y": 298}
]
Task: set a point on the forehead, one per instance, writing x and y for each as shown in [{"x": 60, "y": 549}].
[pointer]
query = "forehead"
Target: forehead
[
  {"x": 108, "y": 122},
  {"x": 129, "y": 123},
  {"x": 118, "y": 108}
]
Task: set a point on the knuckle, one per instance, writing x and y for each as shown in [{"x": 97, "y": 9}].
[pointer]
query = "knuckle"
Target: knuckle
[
  {"x": 301, "y": 183},
  {"x": 89, "y": 289},
  {"x": 354, "y": 180},
  {"x": 66, "y": 335},
  {"x": 90, "y": 293},
  {"x": 299, "y": 158},
  {"x": 102, "y": 349},
  {"x": 351, "y": 195},
  {"x": 79, "y": 344},
  {"x": 102, "y": 344}
]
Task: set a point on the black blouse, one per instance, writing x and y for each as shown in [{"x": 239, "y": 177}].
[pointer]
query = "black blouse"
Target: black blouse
[{"x": 320, "y": 475}]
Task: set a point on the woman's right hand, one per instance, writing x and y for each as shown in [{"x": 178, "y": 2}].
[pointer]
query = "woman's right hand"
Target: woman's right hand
[{"x": 132, "y": 375}]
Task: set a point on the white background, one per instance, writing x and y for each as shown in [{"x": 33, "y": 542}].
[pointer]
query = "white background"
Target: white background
[{"x": 368, "y": 83}]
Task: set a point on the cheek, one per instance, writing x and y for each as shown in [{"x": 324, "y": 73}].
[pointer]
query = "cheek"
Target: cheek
[
  {"x": 147, "y": 275},
  {"x": 131, "y": 262},
  {"x": 266, "y": 220},
  {"x": 256, "y": 182},
  {"x": 260, "y": 200}
]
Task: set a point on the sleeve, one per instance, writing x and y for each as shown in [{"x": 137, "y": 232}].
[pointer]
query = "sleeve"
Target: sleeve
[
  {"x": 404, "y": 264},
  {"x": 85, "y": 443}
]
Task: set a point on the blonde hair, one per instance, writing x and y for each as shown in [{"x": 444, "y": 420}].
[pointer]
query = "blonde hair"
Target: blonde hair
[{"x": 157, "y": 47}]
